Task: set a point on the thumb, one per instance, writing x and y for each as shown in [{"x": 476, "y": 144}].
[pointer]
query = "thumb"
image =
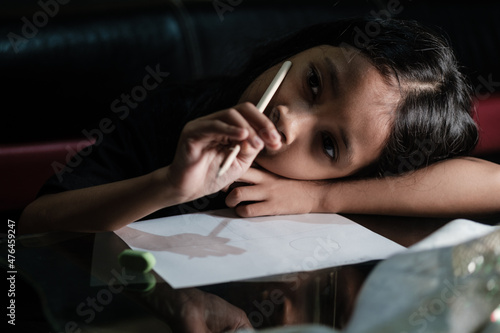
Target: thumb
[
  {"x": 249, "y": 152},
  {"x": 244, "y": 159}
]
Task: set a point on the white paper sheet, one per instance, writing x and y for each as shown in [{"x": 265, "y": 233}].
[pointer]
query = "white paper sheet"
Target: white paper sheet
[{"x": 208, "y": 248}]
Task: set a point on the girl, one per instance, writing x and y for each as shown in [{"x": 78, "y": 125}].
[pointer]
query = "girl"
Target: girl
[{"x": 373, "y": 117}]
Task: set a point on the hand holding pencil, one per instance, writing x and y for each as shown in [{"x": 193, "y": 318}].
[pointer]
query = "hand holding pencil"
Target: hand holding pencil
[
  {"x": 202, "y": 148},
  {"x": 261, "y": 106}
]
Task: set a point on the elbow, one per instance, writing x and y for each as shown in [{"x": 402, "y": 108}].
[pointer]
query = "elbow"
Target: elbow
[
  {"x": 37, "y": 217},
  {"x": 31, "y": 219}
]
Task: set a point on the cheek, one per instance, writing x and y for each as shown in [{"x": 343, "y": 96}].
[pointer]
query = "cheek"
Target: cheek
[
  {"x": 280, "y": 164},
  {"x": 247, "y": 94},
  {"x": 296, "y": 166},
  {"x": 254, "y": 91},
  {"x": 289, "y": 166}
]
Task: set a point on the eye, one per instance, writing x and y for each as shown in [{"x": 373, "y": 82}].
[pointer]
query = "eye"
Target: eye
[
  {"x": 328, "y": 146},
  {"x": 313, "y": 81}
]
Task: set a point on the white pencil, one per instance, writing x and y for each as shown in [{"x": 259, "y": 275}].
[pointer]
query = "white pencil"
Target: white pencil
[{"x": 261, "y": 106}]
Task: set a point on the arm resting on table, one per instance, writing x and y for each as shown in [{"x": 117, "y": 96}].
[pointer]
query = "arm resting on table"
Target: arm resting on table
[
  {"x": 461, "y": 186},
  {"x": 100, "y": 208}
]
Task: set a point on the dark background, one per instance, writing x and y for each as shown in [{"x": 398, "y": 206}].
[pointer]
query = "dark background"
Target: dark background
[
  {"x": 63, "y": 79},
  {"x": 63, "y": 63}
]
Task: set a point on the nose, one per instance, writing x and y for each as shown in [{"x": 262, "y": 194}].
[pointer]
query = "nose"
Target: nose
[{"x": 292, "y": 124}]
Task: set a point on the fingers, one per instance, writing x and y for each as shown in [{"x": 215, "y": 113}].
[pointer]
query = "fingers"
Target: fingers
[
  {"x": 243, "y": 194},
  {"x": 244, "y": 323},
  {"x": 255, "y": 176},
  {"x": 241, "y": 122},
  {"x": 247, "y": 116},
  {"x": 216, "y": 129},
  {"x": 237, "y": 320},
  {"x": 247, "y": 193},
  {"x": 262, "y": 125},
  {"x": 235, "y": 118},
  {"x": 254, "y": 200},
  {"x": 256, "y": 209}
]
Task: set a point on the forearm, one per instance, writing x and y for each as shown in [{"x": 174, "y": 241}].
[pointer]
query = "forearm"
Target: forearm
[
  {"x": 99, "y": 208},
  {"x": 465, "y": 186}
]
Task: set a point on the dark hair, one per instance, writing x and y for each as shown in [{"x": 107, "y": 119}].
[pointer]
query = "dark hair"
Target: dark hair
[{"x": 433, "y": 118}]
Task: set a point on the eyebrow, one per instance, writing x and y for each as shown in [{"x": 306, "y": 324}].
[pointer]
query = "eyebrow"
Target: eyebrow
[{"x": 334, "y": 81}]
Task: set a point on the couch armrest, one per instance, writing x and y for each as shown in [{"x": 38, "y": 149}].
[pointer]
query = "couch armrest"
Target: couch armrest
[
  {"x": 488, "y": 118},
  {"x": 26, "y": 166}
]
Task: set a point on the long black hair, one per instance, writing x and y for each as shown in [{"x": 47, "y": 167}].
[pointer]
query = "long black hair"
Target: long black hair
[{"x": 433, "y": 118}]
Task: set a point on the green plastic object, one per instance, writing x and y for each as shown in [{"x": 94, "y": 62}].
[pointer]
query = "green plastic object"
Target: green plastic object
[
  {"x": 137, "y": 261},
  {"x": 142, "y": 282}
]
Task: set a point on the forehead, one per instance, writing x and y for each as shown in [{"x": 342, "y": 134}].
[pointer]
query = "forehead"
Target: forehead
[{"x": 355, "y": 70}]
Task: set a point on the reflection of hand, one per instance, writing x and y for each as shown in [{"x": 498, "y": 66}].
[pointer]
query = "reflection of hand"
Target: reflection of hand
[
  {"x": 192, "y": 310},
  {"x": 269, "y": 194}
]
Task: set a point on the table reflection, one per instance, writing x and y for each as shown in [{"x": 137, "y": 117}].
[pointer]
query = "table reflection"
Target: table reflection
[{"x": 60, "y": 266}]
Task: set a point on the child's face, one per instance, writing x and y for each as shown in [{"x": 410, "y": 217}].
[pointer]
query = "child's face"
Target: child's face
[{"x": 333, "y": 111}]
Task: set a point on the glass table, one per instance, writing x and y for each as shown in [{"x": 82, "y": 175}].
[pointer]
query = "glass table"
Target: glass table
[{"x": 58, "y": 289}]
